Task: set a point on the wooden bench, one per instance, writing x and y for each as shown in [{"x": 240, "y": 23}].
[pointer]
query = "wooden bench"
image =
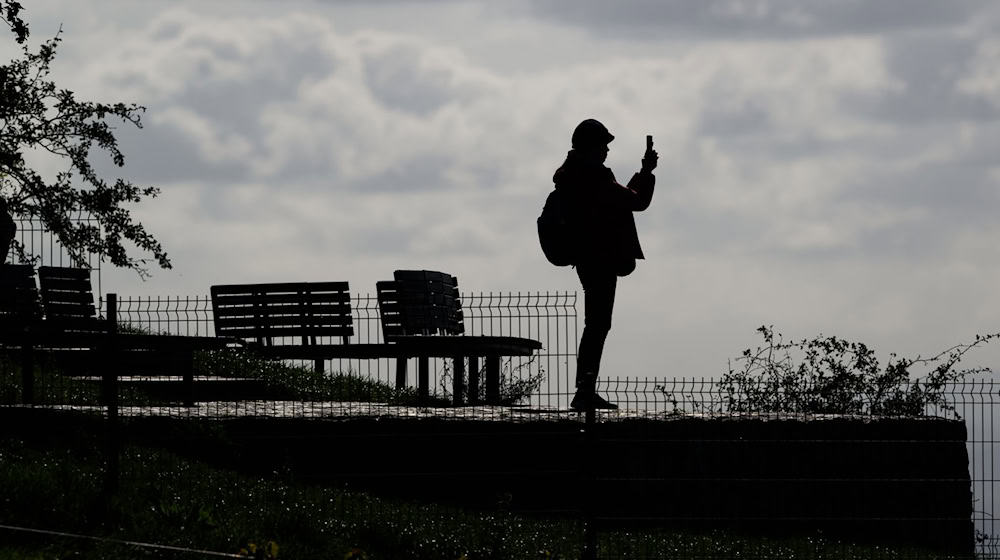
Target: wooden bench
[
  {"x": 422, "y": 309},
  {"x": 19, "y": 303},
  {"x": 20, "y": 310},
  {"x": 291, "y": 320},
  {"x": 89, "y": 345},
  {"x": 313, "y": 321}
]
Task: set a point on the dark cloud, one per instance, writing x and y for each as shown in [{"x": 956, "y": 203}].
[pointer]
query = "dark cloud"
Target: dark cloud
[
  {"x": 943, "y": 202},
  {"x": 397, "y": 79},
  {"x": 774, "y": 19},
  {"x": 159, "y": 153},
  {"x": 927, "y": 67}
]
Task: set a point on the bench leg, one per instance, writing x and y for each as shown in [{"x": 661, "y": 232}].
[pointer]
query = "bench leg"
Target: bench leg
[
  {"x": 473, "y": 380},
  {"x": 493, "y": 380},
  {"x": 423, "y": 377},
  {"x": 400, "y": 374},
  {"x": 458, "y": 380}
]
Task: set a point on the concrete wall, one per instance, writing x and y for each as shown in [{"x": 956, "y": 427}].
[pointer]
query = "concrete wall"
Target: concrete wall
[
  {"x": 899, "y": 481},
  {"x": 879, "y": 480}
]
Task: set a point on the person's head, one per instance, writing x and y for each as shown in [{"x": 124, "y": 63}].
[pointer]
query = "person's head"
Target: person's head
[{"x": 590, "y": 139}]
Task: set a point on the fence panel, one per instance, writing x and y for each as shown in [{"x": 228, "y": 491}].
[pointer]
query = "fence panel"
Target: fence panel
[
  {"x": 44, "y": 245},
  {"x": 973, "y": 400},
  {"x": 549, "y": 317}
]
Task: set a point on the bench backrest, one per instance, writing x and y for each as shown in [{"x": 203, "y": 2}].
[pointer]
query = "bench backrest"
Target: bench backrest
[
  {"x": 264, "y": 312},
  {"x": 68, "y": 299},
  {"x": 420, "y": 302},
  {"x": 19, "y": 303}
]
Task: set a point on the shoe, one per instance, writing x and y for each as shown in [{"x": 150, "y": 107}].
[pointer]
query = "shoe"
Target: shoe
[
  {"x": 581, "y": 401},
  {"x": 586, "y": 384},
  {"x": 600, "y": 402},
  {"x": 585, "y": 400}
]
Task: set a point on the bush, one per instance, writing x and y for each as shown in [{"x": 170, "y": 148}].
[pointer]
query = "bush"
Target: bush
[
  {"x": 830, "y": 375},
  {"x": 284, "y": 381}
]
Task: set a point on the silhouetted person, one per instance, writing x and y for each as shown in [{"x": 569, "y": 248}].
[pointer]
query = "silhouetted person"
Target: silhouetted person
[
  {"x": 600, "y": 210},
  {"x": 8, "y": 229}
]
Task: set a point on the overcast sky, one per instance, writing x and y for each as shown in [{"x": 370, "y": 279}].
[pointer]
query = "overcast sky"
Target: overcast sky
[{"x": 825, "y": 166}]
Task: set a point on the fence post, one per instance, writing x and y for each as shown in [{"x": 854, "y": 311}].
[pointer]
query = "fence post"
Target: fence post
[
  {"x": 589, "y": 479},
  {"x": 109, "y": 386}
]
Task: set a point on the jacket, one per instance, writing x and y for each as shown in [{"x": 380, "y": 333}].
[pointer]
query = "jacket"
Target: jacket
[{"x": 600, "y": 210}]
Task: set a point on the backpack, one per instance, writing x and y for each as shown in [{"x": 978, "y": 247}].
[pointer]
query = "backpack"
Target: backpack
[{"x": 555, "y": 233}]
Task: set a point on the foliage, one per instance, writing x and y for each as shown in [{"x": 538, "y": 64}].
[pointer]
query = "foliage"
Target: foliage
[
  {"x": 36, "y": 116},
  {"x": 50, "y": 386},
  {"x": 283, "y": 381},
  {"x": 515, "y": 387},
  {"x": 11, "y": 11},
  {"x": 830, "y": 375},
  {"x": 169, "y": 500}
]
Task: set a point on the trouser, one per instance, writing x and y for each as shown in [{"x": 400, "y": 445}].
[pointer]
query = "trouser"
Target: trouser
[{"x": 599, "y": 283}]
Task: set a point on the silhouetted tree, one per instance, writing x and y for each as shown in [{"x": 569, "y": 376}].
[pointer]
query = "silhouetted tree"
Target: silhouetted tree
[{"x": 36, "y": 116}]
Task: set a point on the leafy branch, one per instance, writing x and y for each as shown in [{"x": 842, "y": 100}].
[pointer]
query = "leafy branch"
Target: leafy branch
[
  {"x": 830, "y": 375},
  {"x": 38, "y": 117},
  {"x": 836, "y": 376}
]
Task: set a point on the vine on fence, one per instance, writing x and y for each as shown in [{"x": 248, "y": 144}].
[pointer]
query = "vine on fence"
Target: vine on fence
[
  {"x": 830, "y": 375},
  {"x": 515, "y": 387}
]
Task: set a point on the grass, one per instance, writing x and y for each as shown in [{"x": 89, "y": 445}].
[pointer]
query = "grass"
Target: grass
[
  {"x": 284, "y": 381},
  {"x": 166, "y": 499},
  {"x": 279, "y": 381},
  {"x": 58, "y": 483}
]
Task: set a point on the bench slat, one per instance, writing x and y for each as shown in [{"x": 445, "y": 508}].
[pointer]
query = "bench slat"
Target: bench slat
[
  {"x": 307, "y": 310},
  {"x": 284, "y": 319},
  {"x": 55, "y": 310},
  {"x": 67, "y": 297},
  {"x": 279, "y": 287},
  {"x": 274, "y": 328},
  {"x": 249, "y": 300},
  {"x": 263, "y": 312},
  {"x": 64, "y": 272}
]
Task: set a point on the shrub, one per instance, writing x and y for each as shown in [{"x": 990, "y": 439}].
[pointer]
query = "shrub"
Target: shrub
[
  {"x": 830, "y": 375},
  {"x": 284, "y": 381}
]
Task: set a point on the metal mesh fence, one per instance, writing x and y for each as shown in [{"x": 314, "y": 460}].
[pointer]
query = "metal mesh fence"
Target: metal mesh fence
[
  {"x": 549, "y": 317},
  {"x": 636, "y": 455},
  {"x": 41, "y": 243},
  {"x": 971, "y": 402}
]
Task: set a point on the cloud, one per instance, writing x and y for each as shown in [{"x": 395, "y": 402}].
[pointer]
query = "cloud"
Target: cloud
[
  {"x": 824, "y": 166},
  {"x": 755, "y": 19}
]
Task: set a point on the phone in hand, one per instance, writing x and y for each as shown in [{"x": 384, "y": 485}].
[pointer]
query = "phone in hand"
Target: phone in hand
[{"x": 649, "y": 142}]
